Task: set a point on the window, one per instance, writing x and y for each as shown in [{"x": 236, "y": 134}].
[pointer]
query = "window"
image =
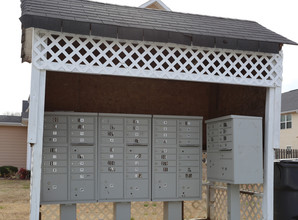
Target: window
[{"x": 286, "y": 121}]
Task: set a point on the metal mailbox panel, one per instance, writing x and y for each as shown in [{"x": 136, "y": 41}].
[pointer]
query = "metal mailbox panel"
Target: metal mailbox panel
[
  {"x": 54, "y": 187},
  {"x": 55, "y": 170},
  {"x": 165, "y": 185},
  {"x": 133, "y": 163},
  {"x": 82, "y": 149},
  {"x": 111, "y": 186},
  {"x": 137, "y": 189},
  {"x": 189, "y": 189},
  {"x": 112, "y": 127},
  {"x": 55, "y": 163},
  {"x": 237, "y": 157},
  {"x": 54, "y": 157},
  {"x": 82, "y": 133},
  {"x": 54, "y": 140},
  {"x": 111, "y": 134},
  {"x": 82, "y": 119},
  {"x": 82, "y": 163},
  {"x": 54, "y": 133},
  {"x": 113, "y": 149},
  {"x": 54, "y": 126},
  {"x": 55, "y": 119},
  {"x": 82, "y": 140},
  {"x": 80, "y": 156},
  {"x": 82, "y": 190},
  {"x": 111, "y": 140},
  {"x": 165, "y": 129}
]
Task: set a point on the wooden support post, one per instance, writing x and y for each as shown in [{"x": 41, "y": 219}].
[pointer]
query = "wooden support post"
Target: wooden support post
[
  {"x": 172, "y": 211},
  {"x": 68, "y": 211},
  {"x": 233, "y": 194},
  {"x": 272, "y": 135},
  {"x": 122, "y": 210},
  {"x": 35, "y": 136}
]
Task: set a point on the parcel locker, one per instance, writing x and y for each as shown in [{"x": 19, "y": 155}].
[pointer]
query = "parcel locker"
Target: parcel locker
[
  {"x": 176, "y": 159},
  {"x": 234, "y": 149}
]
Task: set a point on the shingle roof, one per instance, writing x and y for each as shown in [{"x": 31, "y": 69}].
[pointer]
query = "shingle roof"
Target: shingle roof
[
  {"x": 289, "y": 101},
  {"x": 85, "y": 17},
  {"x": 10, "y": 119}
]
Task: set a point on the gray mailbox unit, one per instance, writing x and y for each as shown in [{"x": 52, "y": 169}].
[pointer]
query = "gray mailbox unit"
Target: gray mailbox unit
[
  {"x": 125, "y": 157},
  {"x": 234, "y": 149},
  {"x": 176, "y": 162},
  {"x": 69, "y": 157}
]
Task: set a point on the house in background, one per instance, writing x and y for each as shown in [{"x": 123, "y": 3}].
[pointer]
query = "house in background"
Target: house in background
[
  {"x": 289, "y": 120},
  {"x": 13, "y": 139}
]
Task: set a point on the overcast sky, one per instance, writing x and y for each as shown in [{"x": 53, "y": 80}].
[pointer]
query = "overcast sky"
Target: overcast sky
[{"x": 276, "y": 15}]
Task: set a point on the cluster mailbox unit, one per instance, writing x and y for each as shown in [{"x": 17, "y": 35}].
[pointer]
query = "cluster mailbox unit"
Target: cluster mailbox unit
[
  {"x": 234, "y": 149},
  {"x": 90, "y": 157}
]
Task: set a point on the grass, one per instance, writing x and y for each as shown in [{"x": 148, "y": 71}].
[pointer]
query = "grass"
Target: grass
[{"x": 14, "y": 199}]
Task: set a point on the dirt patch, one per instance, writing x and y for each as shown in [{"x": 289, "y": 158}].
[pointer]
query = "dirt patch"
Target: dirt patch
[{"x": 14, "y": 199}]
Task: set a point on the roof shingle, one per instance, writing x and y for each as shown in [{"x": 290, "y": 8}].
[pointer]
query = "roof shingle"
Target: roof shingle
[
  {"x": 85, "y": 11},
  {"x": 289, "y": 101}
]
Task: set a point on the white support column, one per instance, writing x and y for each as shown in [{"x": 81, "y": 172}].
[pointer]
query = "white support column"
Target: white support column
[
  {"x": 272, "y": 126},
  {"x": 35, "y": 136}
]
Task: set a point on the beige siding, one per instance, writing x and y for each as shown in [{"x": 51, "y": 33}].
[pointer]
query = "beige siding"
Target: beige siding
[
  {"x": 13, "y": 147},
  {"x": 289, "y": 137}
]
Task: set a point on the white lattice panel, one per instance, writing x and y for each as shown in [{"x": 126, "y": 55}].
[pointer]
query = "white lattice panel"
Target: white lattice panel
[
  {"x": 147, "y": 211},
  {"x": 88, "y": 54},
  {"x": 251, "y": 197}
]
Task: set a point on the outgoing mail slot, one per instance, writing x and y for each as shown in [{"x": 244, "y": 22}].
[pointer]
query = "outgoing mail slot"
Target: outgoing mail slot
[
  {"x": 55, "y": 163},
  {"x": 137, "y": 175},
  {"x": 165, "y": 122},
  {"x": 114, "y": 120},
  {"x": 82, "y": 170},
  {"x": 136, "y": 128},
  {"x": 111, "y": 127},
  {"x": 86, "y": 163},
  {"x": 82, "y": 119},
  {"x": 82, "y": 140},
  {"x": 191, "y": 123},
  {"x": 55, "y": 157},
  {"x": 136, "y": 169},
  {"x": 82, "y": 176}
]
